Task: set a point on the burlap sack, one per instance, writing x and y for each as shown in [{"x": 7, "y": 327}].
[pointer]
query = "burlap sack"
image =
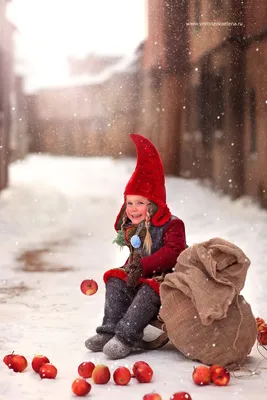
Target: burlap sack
[{"x": 205, "y": 317}]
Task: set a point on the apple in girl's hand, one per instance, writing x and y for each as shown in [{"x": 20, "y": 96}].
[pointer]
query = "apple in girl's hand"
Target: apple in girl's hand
[
  {"x": 89, "y": 287},
  {"x": 18, "y": 363},
  {"x": 85, "y": 369},
  {"x": 152, "y": 396},
  {"x": 138, "y": 364},
  {"x": 47, "y": 371},
  {"x": 220, "y": 376},
  {"x": 201, "y": 375},
  {"x": 7, "y": 359},
  {"x": 80, "y": 387},
  {"x": 101, "y": 374},
  {"x": 37, "y": 361},
  {"x": 181, "y": 396},
  {"x": 144, "y": 373},
  {"x": 122, "y": 376}
]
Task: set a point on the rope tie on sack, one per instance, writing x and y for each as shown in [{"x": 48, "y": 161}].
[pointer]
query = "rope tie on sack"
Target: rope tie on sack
[{"x": 238, "y": 307}]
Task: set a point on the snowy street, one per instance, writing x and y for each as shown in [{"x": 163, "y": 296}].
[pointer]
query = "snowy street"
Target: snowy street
[{"x": 56, "y": 229}]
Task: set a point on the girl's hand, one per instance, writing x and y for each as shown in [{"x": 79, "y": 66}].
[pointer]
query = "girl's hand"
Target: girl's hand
[{"x": 134, "y": 271}]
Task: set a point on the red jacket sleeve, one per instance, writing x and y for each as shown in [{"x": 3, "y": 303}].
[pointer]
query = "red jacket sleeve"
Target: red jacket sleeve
[{"x": 174, "y": 242}]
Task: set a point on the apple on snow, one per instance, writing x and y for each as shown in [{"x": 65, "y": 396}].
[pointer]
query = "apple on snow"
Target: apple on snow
[
  {"x": 48, "y": 371},
  {"x": 85, "y": 369},
  {"x": 201, "y": 375},
  {"x": 16, "y": 362},
  {"x": 142, "y": 372},
  {"x": 220, "y": 376},
  {"x": 122, "y": 376},
  {"x": 101, "y": 374},
  {"x": 80, "y": 387},
  {"x": 138, "y": 364}
]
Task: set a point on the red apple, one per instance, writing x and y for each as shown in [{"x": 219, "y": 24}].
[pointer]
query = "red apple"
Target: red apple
[
  {"x": 201, "y": 375},
  {"x": 262, "y": 336},
  {"x": 220, "y": 376},
  {"x": 144, "y": 373},
  {"x": 37, "y": 361},
  {"x": 89, "y": 287},
  {"x": 101, "y": 374},
  {"x": 80, "y": 387},
  {"x": 85, "y": 369},
  {"x": 7, "y": 359},
  {"x": 47, "y": 371},
  {"x": 122, "y": 376},
  {"x": 18, "y": 363},
  {"x": 181, "y": 396},
  {"x": 152, "y": 396},
  {"x": 138, "y": 364}
]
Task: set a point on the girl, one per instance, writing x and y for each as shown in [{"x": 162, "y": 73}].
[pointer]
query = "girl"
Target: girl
[{"x": 155, "y": 239}]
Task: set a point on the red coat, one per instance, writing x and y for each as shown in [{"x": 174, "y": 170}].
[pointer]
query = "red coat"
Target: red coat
[{"x": 163, "y": 260}]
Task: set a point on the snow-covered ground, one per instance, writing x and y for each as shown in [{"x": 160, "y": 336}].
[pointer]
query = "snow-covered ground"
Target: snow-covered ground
[{"x": 64, "y": 208}]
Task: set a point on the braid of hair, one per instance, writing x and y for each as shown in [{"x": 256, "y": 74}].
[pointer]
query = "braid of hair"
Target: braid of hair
[
  {"x": 148, "y": 241},
  {"x": 124, "y": 220}
]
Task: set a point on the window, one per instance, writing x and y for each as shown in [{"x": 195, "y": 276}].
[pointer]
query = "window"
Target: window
[{"x": 252, "y": 116}]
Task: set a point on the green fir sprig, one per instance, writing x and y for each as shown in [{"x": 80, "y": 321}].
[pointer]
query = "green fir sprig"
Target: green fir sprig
[{"x": 120, "y": 239}]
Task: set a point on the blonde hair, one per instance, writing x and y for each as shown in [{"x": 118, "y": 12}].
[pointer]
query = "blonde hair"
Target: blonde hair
[{"x": 148, "y": 241}]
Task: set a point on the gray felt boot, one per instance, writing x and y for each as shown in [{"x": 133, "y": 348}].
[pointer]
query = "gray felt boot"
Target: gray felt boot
[
  {"x": 115, "y": 349},
  {"x": 97, "y": 342}
]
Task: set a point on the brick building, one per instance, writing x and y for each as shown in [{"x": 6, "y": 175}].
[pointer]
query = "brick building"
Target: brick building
[
  {"x": 255, "y": 113},
  {"x": 165, "y": 69},
  {"x": 212, "y": 119},
  {"x": 13, "y": 121}
]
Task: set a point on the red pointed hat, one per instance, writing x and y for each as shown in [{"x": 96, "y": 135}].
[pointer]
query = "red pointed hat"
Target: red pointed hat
[{"x": 147, "y": 180}]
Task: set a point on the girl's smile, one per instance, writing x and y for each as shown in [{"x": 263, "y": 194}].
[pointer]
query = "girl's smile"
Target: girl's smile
[{"x": 136, "y": 208}]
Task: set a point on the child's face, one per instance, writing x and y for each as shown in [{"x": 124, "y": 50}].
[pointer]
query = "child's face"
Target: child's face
[{"x": 136, "y": 208}]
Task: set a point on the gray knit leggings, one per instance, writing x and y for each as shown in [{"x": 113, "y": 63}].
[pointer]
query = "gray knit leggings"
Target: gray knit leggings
[{"x": 128, "y": 310}]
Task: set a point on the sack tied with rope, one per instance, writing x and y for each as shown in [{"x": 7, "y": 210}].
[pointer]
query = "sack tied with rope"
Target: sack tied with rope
[{"x": 205, "y": 316}]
